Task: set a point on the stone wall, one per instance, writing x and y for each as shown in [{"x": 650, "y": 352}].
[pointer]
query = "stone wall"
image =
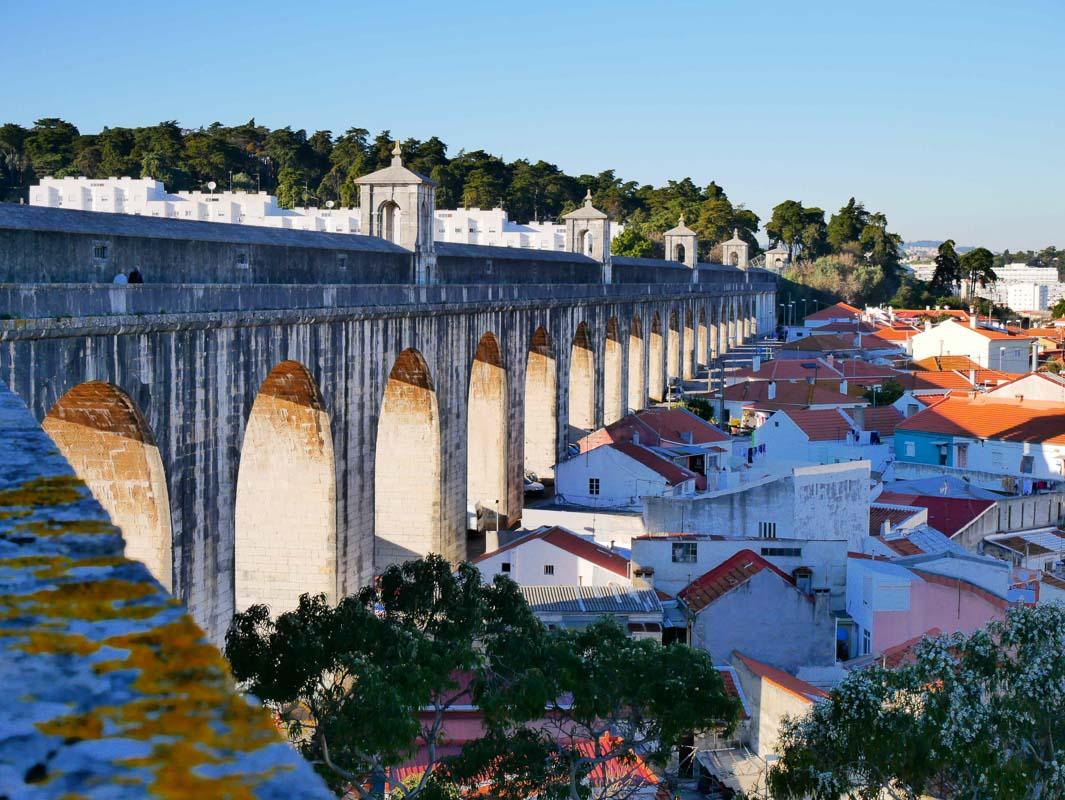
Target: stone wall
[{"x": 111, "y": 689}]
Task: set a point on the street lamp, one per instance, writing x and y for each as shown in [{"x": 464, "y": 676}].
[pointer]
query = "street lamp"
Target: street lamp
[{"x": 791, "y": 311}]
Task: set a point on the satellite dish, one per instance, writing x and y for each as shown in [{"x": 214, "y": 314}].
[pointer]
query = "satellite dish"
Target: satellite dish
[
  {"x": 211, "y": 185},
  {"x": 329, "y": 204}
]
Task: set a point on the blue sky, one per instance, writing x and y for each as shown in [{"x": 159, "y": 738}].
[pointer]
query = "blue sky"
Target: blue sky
[{"x": 948, "y": 116}]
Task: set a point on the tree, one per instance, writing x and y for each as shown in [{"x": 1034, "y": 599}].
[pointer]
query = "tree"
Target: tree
[
  {"x": 888, "y": 393},
  {"x": 799, "y": 228},
  {"x": 363, "y": 685},
  {"x": 977, "y": 267},
  {"x": 630, "y": 242},
  {"x": 977, "y": 716},
  {"x": 608, "y": 698},
  {"x": 50, "y": 145},
  {"x": 847, "y": 225},
  {"x": 947, "y": 276},
  {"x": 1058, "y": 309}
]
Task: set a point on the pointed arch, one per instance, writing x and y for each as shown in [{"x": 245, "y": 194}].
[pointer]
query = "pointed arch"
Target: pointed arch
[
  {"x": 486, "y": 433},
  {"x": 613, "y": 394},
  {"x": 702, "y": 340},
  {"x": 656, "y": 389},
  {"x": 637, "y": 386},
  {"x": 688, "y": 349},
  {"x": 285, "y": 516},
  {"x": 104, "y": 436},
  {"x": 541, "y": 406},
  {"x": 581, "y": 383},
  {"x": 673, "y": 347},
  {"x": 407, "y": 465}
]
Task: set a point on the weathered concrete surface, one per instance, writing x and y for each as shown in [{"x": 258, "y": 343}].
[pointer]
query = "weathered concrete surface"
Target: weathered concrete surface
[{"x": 111, "y": 690}]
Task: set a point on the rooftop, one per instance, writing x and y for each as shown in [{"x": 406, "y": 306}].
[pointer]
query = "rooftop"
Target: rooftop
[
  {"x": 572, "y": 543},
  {"x": 946, "y": 514},
  {"x": 726, "y": 576},
  {"x": 787, "y": 394},
  {"x": 992, "y": 417},
  {"x": 801, "y": 689},
  {"x": 591, "y": 600},
  {"x": 835, "y": 311},
  {"x": 672, "y": 473},
  {"x": 826, "y": 343}
]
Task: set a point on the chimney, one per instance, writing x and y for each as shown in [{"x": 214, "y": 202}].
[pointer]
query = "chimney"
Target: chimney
[
  {"x": 771, "y": 391},
  {"x": 858, "y": 414},
  {"x": 928, "y": 324},
  {"x": 1035, "y": 356},
  {"x": 843, "y": 386},
  {"x": 756, "y": 363},
  {"x": 635, "y": 437},
  {"x": 928, "y": 308},
  {"x": 972, "y": 377},
  {"x": 830, "y": 359},
  {"x": 885, "y": 528},
  {"x": 972, "y": 318}
]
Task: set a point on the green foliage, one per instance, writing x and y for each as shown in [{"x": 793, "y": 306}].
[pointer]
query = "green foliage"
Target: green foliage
[
  {"x": 801, "y": 229},
  {"x": 888, "y": 393},
  {"x": 977, "y": 266},
  {"x": 839, "y": 276},
  {"x": 630, "y": 242},
  {"x": 1057, "y": 311},
  {"x": 366, "y": 684},
  {"x": 701, "y": 407},
  {"x": 981, "y": 715},
  {"x": 948, "y": 269},
  {"x": 846, "y": 226}
]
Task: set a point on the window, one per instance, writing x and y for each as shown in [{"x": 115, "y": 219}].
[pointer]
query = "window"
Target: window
[
  {"x": 767, "y": 530},
  {"x": 685, "y": 552},
  {"x": 101, "y": 252},
  {"x": 911, "y": 450},
  {"x": 867, "y": 643},
  {"x": 342, "y": 261},
  {"x": 1026, "y": 464},
  {"x": 242, "y": 259},
  {"x": 593, "y": 486},
  {"x": 505, "y": 566},
  {"x": 549, "y": 569},
  {"x": 783, "y": 552}
]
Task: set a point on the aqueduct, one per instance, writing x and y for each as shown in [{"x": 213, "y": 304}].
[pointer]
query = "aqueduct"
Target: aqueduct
[{"x": 295, "y": 419}]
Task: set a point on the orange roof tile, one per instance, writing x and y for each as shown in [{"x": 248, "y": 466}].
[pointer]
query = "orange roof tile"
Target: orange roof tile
[
  {"x": 799, "y": 688},
  {"x": 797, "y": 394},
  {"x": 572, "y": 543},
  {"x": 825, "y": 425},
  {"x": 882, "y": 419},
  {"x": 825, "y": 343},
  {"x": 726, "y": 576},
  {"x": 945, "y": 364},
  {"x": 836, "y": 311},
  {"x": 953, "y": 381},
  {"x": 992, "y": 417},
  {"x": 672, "y": 473}
]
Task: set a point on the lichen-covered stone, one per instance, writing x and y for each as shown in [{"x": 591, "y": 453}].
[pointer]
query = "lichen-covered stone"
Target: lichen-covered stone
[{"x": 110, "y": 689}]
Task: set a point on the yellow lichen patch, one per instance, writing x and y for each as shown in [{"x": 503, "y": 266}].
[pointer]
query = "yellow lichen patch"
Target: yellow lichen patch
[
  {"x": 22, "y": 512},
  {"x": 74, "y": 726},
  {"x": 55, "y": 491},
  {"x": 187, "y": 708},
  {"x": 50, "y": 567},
  {"x": 53, "y": 643},
  {"x": 94, "y": 600},
  {"x": 52, "y": 527}
]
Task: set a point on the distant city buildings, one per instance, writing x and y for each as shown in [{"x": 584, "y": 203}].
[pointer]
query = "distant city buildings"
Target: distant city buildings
[{"x": 148, "y": 197}]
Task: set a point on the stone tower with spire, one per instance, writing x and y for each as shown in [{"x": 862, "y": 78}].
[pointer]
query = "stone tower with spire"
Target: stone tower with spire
[
  {"x": 398, "y": 204},
  {"x": 682, "y": 244},
  {"x": 588, "y": 233},
  {"x": 734, "y": 252}
]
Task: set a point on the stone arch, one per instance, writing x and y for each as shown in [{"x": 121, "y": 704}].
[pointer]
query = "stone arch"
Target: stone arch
[
  {"x": 734, "y": 259},
  {"x": 613, "y": 391},
  {"x": 407, "y": 465},
  {"x": 673, "y": 347},
  {"x": 285, "y": 516},
  {"x": 702, "y": 340},
  {"x": 655, "y": 387},
  {"x": 104, "y": 436},
  {"x": 581, "y": 383},
  {"x": 486, "y": 432},
  {"x": 678, "y": 253},
  {"x": 388, "y": 218},
  {"x": 586, "y": 242},
  {"x": 541, "y": 406},
  {"x": 637, "y": 388},
  {"x": 688, "y": 349}
]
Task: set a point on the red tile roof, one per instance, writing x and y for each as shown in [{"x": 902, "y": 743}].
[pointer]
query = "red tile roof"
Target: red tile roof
[
  {"x": 836, "y": 311},
  {"x": 798, "y": 394},
  {"x": 851, "y": 368},
  {"x": 918, "y": 313},
  {"x": 882, "y": 419},
  {"x": 992, "y": 417},
  {"x": 826, "y": 343},
  {"x": 995, "y": 333},
  {"x": 799, "y": 688},
  {"x": 572, "y": 543},
  {"x": 945, "y": 363},
  {"x": 731, "y": 690},
  {"x": 894, "y": 334},
  {"x": 879, "y": 513},
  {"x": 953, "y": 381},
  {"x": 726, "y": 576},
  {"x": 784, "y": 369},
  {"x": 824, "y": 425},
  {"x": 905, "y": 652},
  {"x": 846, "y": 326},
  {"x": 655, "y": 427},
  {"x": 672, "y": 473},
  {"x": 948, "y": 515}
]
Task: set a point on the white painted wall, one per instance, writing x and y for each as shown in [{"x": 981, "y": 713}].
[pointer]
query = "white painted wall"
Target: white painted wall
[
  {"x": 527, "y": 562},
  {"x": 622, "y": 480},
  {"x": 951, "y": 338},
  {"x": 605, "y": 526}
]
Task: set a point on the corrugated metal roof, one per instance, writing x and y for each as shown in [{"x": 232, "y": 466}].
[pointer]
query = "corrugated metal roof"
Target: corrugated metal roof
[{"x": 591, "y": 599}]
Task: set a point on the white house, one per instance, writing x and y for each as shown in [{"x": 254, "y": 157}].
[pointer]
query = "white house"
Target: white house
[
  {"x": 620, "y": 475},
  {"x": 831, "y": 435},
  {"x": 991, "y": 348},
  {"x": 1045, "y": 386},
  {"x": 556, "y": 557},
  {"x": 668, "y": 563}
]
